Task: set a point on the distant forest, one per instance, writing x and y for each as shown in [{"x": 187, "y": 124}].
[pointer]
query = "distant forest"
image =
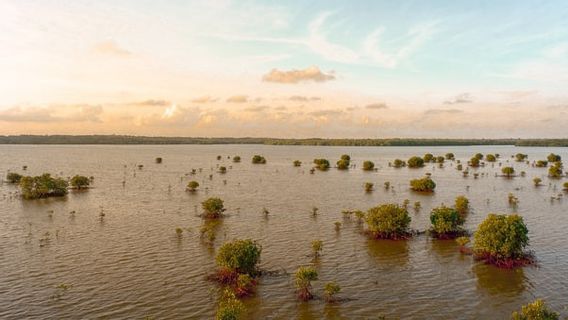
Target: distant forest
[{"x": 123, "y": 139}]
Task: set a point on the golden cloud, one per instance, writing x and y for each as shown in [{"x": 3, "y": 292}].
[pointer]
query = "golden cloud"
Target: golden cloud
[{"x": 295, "y": 76}]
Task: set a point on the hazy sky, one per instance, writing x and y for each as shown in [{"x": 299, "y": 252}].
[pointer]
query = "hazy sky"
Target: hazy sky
[{"x": 285, "y": 68}]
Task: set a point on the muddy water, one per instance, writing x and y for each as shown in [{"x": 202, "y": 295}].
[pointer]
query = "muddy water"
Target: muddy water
[{"x": 130, "y": 264}]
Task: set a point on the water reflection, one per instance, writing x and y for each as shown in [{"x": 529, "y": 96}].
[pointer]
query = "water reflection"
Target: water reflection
[
  {"x": 389, "y": 252},
  {"x": 498, "y": 281}
]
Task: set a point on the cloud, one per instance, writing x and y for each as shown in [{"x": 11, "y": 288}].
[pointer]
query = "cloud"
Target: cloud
[
  {"x": 281, "y": 108},
  {"x": 257, "y": 108},
  {"x": 55, "y": 113},
  {"x": 312, "y": 73},
  {"x": 376, "y": 106},
  {"x": 153, "y": 103},
  {"x": 326, "y": 113},
  {"x": 460, "y": 98},
  {"x": 442, "y": 111},
  {"x": 238, "y": 99},
  {"x": 109, "y": 47},
  {"x": 204, "y": 99},
  {"x": 304, "y": 98}
]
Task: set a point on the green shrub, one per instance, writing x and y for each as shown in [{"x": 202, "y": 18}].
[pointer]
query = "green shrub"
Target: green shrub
[
  {"x": 555, "y": 171},
  {"x": 230, "y": 308},
  {"x": 192, "y": 185},
  {"x": 415, "y": 162},
  {"x": 321, "y": 164},
  {"x": 388, "y": 221},
  {"x": 80, "y": 182},
  {"x": 541, "y": 163},
  {"x": 317, "y": 247},
  {"x": 330, "y": 290},
  {"x": 425, "y": 184},
  {"x": 554, "y": 158},
  {"x": 257, "y": 159},
  {"x": 474, "y": 162},
  {"x": 369, "y": 186},
  {"x": 158, "y": 160},
  {"x": 428, "y": 157},
  {"x": 397, "y": 163},
  {"x": 440, "y": 159},
  {"x": 520, "y": 157},
  {"x": 536, "y": 310},
  {"x": 241, "y": 256},
  {"x": 343, "y": 164},
  {"x": 237, "y": 159},
  {"x": 462, "y": 205},
  {"x": 222, "y": 169},
  {"x": 446, "y": 222},
  {"x": 450, "y": 156},
  {"x": 537, "y": 181},
  {"x": 501, "y": 238},
  {"x": 13, "y": 177},
  {"x": 213, "y": 207},
  {"x": 490, "y": 158},
  {"x": 42, "y": 186},
  {"x": 297, "y": 163},
  {"x": 565, "y": 185},
  {"x": 345, "y": 157},
  {"x": 508, "y": 171},
  {"x": 368, "y": 165},
  {"x": 303, "y": 279},
  {"x": 478, "y": 156}
]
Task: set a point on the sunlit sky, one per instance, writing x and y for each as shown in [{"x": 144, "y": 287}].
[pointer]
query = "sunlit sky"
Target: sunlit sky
[{"x": 338, "y": 69}]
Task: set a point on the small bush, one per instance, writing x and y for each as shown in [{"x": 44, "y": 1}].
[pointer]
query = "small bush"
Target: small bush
[
  {"x": 462, "y": 205},
  {"x": 343, "y": 164},
  {"x": 317, "y": 247},
  {"x": 474, "y": 162},
  {"x": 415, "y": 162},
  {"x": 554, "y": 158},
  {"x": 321, "y": 164},
  {"x": 241, "y": 256},
  {"x": 490, "y": 158},
  {"x": 257, "y": 159},
  {"x": 537, "y": 181},
  {"x": 237, "y": 159},
  {"x": 425, "y": 184},
  {"x": 213, "y": 207},
  {"x": 297, "y": 163},
  {"x": 230, "y": 308},
  {"x": 541, "y": 163},
  {"x": 158, "y": 160},
  {"x": 555, "y": 171},
  {"x": 330, "y": 290},
  {"x": 388, "y": 221},
  {"x": 368, "y": 165},
  {"x": 501, "y": 240},
  {"x": 192, "y": 185},
  {"x": 222, "y": 169},
  {"x": 536, "y": 310},
  {"x": 446, "y": 222},
  {"x": 369, "y": 186},
  {"x": 13, "y": 177},
  {"x": 508, "y": 171},
  {"x": 450, "y": 156},
  {"x": 428, "y": 157},
  {"x": 397, "y": 163},
  {"x": 80, "y": 182},
  {"x": 303, "y": 279},
  {"x": 519, "y": 157}
]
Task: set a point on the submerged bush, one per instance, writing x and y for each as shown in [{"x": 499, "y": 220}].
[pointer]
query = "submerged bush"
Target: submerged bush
[
  {"x": 541, "y": 163},
  {"x": 555, "y": 171},
  {"x": 343, "y": 164},
  {"x": 425, "y": 184},
  {"x": 192, "y": 185},
  {"x": 508, "y": 171},
  {"x": 537, "y": 181},
  {"x": 415, "y": 162},
  {"x": 428, "y": 157},
  {"x": 554, "y": 158},
  {"x": 42, "y": 186},
  {"x": 303, "y": 279},
  {"x": 536, "y": 310},
  {"x": 297, "y": 163},
  {"x": 257, "y": 159},
  {"x": 388, "y": 221},
  {"x": 80, "y": 182},
  {"x": 450, "y": 156},
  {"x": 368, "y": 165},
  {"x": 519, "y": 157},
  {"x": 13, "y": 177},
  {"x": 501, "y": 240},
  {"x": 317, "y": 247},
  {"x": 490, "y": 158},
  {"x": 237, "y": 159},
  {"x": 240, "y": 256},
  {"x": 446, "y": 222},
  {"x": 462, "y": 205},
  {"x": 321, "y": 164},
  {"x": 474, "y": 162},
  {"x": 213, "y": 207},
  {"x": 330, "y": 290},
  {"x": 230, "y": 308},
  {"x": 399, "y": 163},
  {"x": 369, "y": 186}
]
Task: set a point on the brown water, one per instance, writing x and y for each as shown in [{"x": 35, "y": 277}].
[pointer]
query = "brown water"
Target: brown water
[{"x": 130, "y": 264}]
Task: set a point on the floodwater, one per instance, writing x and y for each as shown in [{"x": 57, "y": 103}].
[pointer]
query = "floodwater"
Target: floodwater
[{"x": 130, "y": 264}]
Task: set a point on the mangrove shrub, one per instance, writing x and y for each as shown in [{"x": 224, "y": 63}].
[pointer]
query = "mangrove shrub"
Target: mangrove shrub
[
  {"x": 42, "y": 186},
  {"x": 388, "y": 221}
]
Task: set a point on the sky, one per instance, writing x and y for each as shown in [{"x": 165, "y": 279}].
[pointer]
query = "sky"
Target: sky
[{"x": 285, "y": 69}]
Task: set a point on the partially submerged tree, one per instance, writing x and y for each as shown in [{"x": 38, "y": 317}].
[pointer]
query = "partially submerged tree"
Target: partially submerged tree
[
  {"x": 425, "y": 184},
  {"x": 42, "y": 186},
  {"x": 369, "y": 186},
  {"x": 501, "y": 239},
  {"x": 554, "y": 158},
  {"x": 303, "y": 279},
  {"x": 415, "y": 162},
  {"x": 317, "y": 247},
  {"x": 520, "y": 157},
  {"x": 239, "y": 256},
  {"x": 13, "y": 177},
  {"x": 537, "y": 181},
  {"x": 474, "y": 162},
  {"x": 541, "y": 164},
  {"x": 450, "y": 156},
  {"x": 446, "y": 222},
  {"x": 330, "y": 290},
  {"x": 368, "y": 165},
  {"x": 536, "y": 310},
  {"x": 555, "y": 171},
  {"x": 237, "y": 159},
  {"x": 388, "y": 221},
  {"x": 462, "y": 205},
  {"x": 490, "y": 158},
  {"x": 192, "y": 186},
  {"x": 397, "y": 163},
  {"x": 80, "y": 182},
  {"x": 258, "y": 159},
  {"x": 229, "y": 308},
  {"x": 343, "y": 164},
  {"x": 428, "y": 157},
  {"x": 297, "y": 163},
  {"x": 508, "y": 171},
  {"x": 213, "y": 208},
  {"x": 321, "y": 164}
]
